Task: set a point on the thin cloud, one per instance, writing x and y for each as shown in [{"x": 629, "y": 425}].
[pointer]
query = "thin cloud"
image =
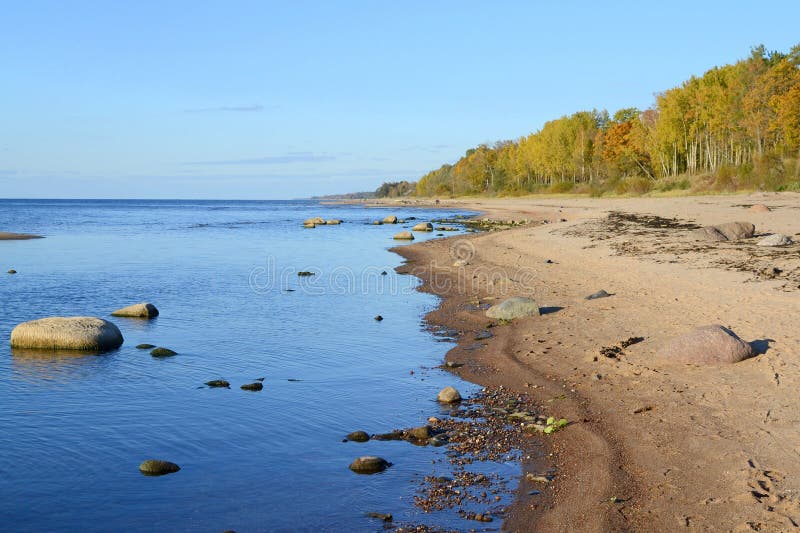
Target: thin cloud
[
  {"x": 434, "y": 149},
  {"x": 284, "y": 159},
  {"x": 254, "y": 108}
]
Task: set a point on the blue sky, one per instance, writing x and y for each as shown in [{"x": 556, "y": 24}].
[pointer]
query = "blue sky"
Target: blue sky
[{"x": 256, "y": 100}]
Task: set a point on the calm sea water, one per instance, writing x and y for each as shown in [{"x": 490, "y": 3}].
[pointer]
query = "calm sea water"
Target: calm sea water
[{"x": 73, "y": 430}]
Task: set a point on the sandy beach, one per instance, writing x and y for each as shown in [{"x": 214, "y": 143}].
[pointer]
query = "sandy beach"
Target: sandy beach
[{"x": 652, "y": 445}]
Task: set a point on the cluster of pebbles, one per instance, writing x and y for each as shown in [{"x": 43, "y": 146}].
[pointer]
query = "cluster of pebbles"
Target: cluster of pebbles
[{"x": 495, "y": 426}]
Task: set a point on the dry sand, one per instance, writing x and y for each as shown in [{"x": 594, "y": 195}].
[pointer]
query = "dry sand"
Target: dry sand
[{"x": 653, "y": 446}]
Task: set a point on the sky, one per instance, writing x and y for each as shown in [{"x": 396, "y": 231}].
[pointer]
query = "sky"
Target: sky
[{"x": 274, "y": 100}]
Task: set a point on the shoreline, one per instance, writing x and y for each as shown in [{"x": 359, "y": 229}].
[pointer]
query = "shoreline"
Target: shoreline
[{"x": 652, "y": 446}]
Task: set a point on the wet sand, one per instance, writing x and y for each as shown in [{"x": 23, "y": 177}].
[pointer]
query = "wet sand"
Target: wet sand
[
  {"x": 6, "y": 236},
  {"x": 652, "y": 446}
]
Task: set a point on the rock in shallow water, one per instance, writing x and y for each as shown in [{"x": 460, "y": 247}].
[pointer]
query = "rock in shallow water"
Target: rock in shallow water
[
  {"x": 404, "y": 236},
  {"x": 391, "y": 219},
  {"x": 157, "y": 467},
  {"x": 707, "y": 345},
  {"x": 142, "y": 310},
  {"x": 423, "y": 226},
  {"x": 449, "y": 395},
  {"x": 145, "y": 346},
  {"x": 83, "y": 333},
  {"x": 257, "y": 386},
  {"x": 358, "y": 436},
  {"x": 162, "y": 352},
  {"x": 214, "y": 383},
  {"x": 369, "y": 464},
  {"x": 516, "y": 307}
]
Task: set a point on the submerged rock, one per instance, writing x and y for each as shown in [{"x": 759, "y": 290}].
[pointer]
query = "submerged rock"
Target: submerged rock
[
  {"x": 707, "y": 345},
  {"x": 775, "y": 240},
  {"x": 145, "y": 346},
  {"x": 423, "y": 226},
  {"x": 305, "y": 273},
  {"x": 404, "y": 236},
  {"x": 358, "y": 436},
  {"x": 378, "y": 318},
  {"x": 377, "y": 223},
  {"x": 162, "y": 352},
  {"x": 12, "y": 271},
  {"x": 6, "y": 236},
  {"x": 333, "y": 222},
  {"x": 157, "y": 467},
  {"x": 420, "y": 433},
  {"x": 369, "y": 464},
  {"x": 67, "y": 333},
  {"x": 142, "y": 310},
  {"x": 215, "y": 383},
  {"x": 257, "y": 386},
  {"x": 516, "y": 307},
  {"x": 386, "y": 517},
  {"x": 448, "y": 395}
]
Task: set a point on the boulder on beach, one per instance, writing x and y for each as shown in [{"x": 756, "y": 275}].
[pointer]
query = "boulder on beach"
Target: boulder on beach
[
  {"x": 142, "y": 310},
  {"x": 732, "y": 231},
  {"x": 759, "y": 208},
  {"x": 157, "y": 467},
  {"x": 516, "y": 307},
  {"x": 448, "y": 395},
  {"x": 775, "y": 239},
  {"x": 423, "y": 226},
  {"x": 404, "y": 236},
  {"x": 6, "y": 236},
  {"x": 83, "y": 333},
  {"x": 391, "y": 219},
  {"x": 369, "y": 464},
  {"x": 707, "y": 345}
]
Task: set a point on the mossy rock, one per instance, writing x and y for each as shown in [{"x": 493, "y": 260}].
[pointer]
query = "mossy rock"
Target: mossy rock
[
  {"x": 162, "y": 352},
  {"x": 358, "y": 436},
  {"x": 216, "y": 383},
  {"x": 145, "y": 346},
  {"x": 157, "y": 467}
]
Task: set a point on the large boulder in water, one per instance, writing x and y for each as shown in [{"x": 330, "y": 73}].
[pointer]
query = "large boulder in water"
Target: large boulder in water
[
  {"x": 391, "y": 219},
  {"x": 731, "y": 231},
  {"x": 708, "y": 345},
  {"x": 142, "y": 310},
  {"x": 423, "y": 226},
  {"x": 83, "y": 333},
  {"x": 516, "y": 307}
]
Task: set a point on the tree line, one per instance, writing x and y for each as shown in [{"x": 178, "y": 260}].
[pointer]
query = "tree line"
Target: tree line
[{"x": 736, "y": 126}]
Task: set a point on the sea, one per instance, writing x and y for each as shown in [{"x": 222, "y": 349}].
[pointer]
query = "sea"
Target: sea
[{"x": 75, "y": 427}]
